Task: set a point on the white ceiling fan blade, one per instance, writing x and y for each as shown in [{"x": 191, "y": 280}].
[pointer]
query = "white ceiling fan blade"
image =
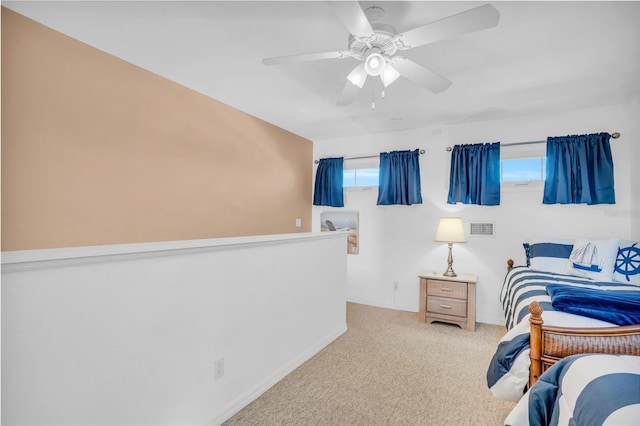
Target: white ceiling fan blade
[
  {"x": 420, "y": 75},
  {"x": 348, "y": 94},
  {"x": 307, "y": 57},
  {"x": 352, "y": 16},
  {"x": 476, "y": 19}
]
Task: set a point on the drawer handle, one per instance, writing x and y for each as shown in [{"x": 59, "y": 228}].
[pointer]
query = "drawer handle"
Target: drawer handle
[
  {"x": 446, "y": 289},
  {"x": 445, "y": 306}
]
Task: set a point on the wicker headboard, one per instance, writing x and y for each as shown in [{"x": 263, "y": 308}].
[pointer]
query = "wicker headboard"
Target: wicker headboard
[{"x": 550, "y": 344}]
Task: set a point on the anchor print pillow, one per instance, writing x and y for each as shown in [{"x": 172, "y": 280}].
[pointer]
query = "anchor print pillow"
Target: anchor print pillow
[
  {"x": 627, "y": 267},
  {"x": 593, "y": 258}
]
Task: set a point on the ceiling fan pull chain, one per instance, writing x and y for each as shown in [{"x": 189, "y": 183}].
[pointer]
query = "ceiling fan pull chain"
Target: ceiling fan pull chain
[{"x": 373, "y": 101}]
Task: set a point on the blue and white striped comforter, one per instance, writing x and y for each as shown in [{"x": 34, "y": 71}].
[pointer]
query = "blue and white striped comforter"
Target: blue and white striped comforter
[
  {"x": 586, "y": 389},
  {"x": 508, "y": 372}
]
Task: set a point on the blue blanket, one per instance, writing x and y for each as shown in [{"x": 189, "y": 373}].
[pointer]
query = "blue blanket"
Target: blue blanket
[{"x": 616, "y": 307}]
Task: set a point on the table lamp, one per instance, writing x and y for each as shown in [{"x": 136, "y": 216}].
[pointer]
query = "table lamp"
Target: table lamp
[{"x": 450, "y": 231}]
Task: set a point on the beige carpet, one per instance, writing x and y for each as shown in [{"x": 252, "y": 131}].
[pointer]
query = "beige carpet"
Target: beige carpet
[{"x": 388, "y": 369}]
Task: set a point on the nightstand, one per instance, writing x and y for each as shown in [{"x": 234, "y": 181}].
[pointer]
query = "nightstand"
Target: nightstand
[{"x": 448, "y": 299}]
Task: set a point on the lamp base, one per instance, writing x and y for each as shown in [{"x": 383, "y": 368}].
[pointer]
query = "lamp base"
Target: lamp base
[{"x": 449, "y": 272}]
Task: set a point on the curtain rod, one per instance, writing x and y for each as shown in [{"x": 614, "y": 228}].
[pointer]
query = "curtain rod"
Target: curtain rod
[
  {"x": 614, "y": 135},
  {"x": 422, "y": 151}
]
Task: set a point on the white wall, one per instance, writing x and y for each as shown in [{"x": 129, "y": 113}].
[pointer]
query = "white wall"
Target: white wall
[
  {"x": 124, "y": 335},
  {"x": 634, "y": 137},
  {"x": 396, "y": 242}
]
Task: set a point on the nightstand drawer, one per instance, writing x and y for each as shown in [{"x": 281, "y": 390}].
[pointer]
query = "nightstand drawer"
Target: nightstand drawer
[
  {"x": 443, "y": 305},
  {"x": 447, "y": 289}
]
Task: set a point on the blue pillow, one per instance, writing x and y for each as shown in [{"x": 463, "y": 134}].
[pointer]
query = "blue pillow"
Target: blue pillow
[
  {"x": 616, "y": 307},
  {"x": 550, "y": 254}
]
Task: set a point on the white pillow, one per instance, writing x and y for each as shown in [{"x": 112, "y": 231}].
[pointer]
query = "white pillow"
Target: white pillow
[
  {"x": 550, "y": 254},
  {"x": 593, "y": 258},
  {"x": 627, "y": 267}
]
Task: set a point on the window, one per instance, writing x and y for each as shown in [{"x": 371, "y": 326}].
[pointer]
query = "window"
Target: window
[
  {"x": 523, "y": 166},
  {"x": 353, "y": 178},
  {"x": 523, "y": 169},
  {"x": 361, "y": 173}
]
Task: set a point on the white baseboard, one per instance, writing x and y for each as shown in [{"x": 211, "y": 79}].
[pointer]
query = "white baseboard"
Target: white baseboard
[
  {"x": 380, "y": 304},
  {"x": 493, "y": 321},
  {"x": 252, "y": 394}
]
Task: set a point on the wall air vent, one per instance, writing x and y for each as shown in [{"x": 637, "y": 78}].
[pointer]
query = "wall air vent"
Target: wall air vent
[{"x": 482, "y": 229}]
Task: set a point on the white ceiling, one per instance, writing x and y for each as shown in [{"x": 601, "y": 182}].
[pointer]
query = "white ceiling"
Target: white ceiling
[{"x": 542, "y": 57}]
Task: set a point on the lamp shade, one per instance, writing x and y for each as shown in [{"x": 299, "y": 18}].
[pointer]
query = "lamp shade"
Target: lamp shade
[{"x": 450, "y": 230}]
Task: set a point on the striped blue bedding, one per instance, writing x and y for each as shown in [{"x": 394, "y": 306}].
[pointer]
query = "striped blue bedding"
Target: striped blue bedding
[
  {"x": 586, "y": 389},
  {"x": 508, "y": 372}
]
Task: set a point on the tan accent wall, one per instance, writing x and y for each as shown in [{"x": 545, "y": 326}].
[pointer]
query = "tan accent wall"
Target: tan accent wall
[{"x": 98, "y": 151}]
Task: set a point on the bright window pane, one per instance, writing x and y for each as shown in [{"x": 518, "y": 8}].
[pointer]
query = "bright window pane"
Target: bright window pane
[
  {"x": 360, "y": 177},
  {"x": 523, "y": 169},
  {"x": 348, "y": 178},
  {"x": 367, "y": 177}
]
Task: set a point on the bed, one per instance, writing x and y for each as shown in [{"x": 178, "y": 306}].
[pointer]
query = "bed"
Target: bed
[
  {"x": 588, "y": 376},
  {"x": 583, "y": 389},
  {"x": 566, "y": 301}
]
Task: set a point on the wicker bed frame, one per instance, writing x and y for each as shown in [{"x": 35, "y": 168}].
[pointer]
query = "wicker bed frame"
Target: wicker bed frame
[{"x": 550, "y": 344}]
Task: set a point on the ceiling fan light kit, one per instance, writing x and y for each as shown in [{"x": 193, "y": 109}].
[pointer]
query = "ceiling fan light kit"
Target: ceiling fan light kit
[
  {"x": 375, "y": 64},
  {"x": 375, "y": 45},
  {"x": 358, "y": 76},
  {"x": 389, "y": 75}
]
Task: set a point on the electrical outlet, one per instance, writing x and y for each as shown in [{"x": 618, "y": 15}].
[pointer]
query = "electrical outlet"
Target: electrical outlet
[
  {"x": 298, "y": 222},
  {"x": 395, "y": 285},
  {"x": 218, "y": 369}
]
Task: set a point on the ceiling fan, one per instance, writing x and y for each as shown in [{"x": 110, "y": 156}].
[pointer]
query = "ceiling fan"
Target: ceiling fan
[{"x": 376, "y": 44}]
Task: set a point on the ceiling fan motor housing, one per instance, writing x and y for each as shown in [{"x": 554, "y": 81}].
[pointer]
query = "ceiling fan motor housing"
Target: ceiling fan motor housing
[{"x": 382, "y": 39}]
